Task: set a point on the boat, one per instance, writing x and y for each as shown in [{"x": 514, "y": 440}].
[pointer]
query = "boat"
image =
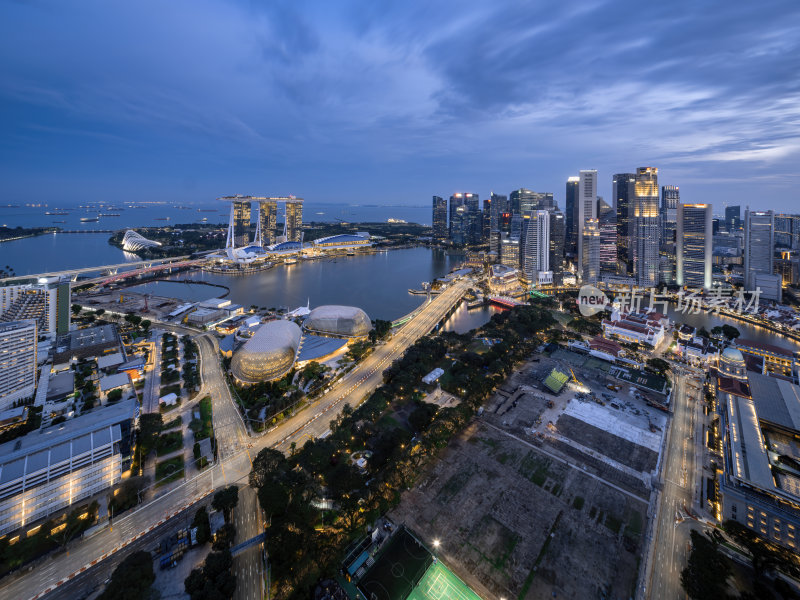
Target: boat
[
  {"x": 320, "y": 213},
  {"x": 90, "y": 219},
  {"x": 289, "y": 261},
  {"x": 204, "y": 219},
  {"x": 108, "y": 215},
  {"x": 56, "y": 213},
  {"x": 59, "y": 221},
  {"x": 161, "y": 219},
  {"x": 206, "y": 210}
]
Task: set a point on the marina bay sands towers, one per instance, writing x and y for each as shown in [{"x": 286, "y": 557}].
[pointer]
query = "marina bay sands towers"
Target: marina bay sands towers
[{"x": 266, "y": 220}]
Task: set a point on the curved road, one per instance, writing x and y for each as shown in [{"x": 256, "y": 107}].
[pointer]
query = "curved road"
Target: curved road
[{"x": 233, "y": 466}]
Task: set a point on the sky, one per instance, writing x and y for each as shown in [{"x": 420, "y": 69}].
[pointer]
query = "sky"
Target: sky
[{"x": 391, "y": 102}]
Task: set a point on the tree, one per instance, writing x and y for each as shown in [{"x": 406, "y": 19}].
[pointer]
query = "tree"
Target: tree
[
  {"x": 226, "y": 500},
  {"x": 659, "y": 365},
  {"x": 146, "y": 324},
  {"x": 100, "y": 312},
  {"x": 132, "y": 579},
  {"x": 705, "y": 577},
  {"x": 203, "y": 525},
  {"x": 76, "y": 309},
  {"x": 224, "y": 537}
]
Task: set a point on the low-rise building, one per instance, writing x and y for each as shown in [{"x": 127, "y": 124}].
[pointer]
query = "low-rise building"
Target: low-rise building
[
  {"x": 635, "y": 328},
  {"x": 89, "y": 342},
  {"x": 48, "y": 470},
  {"x": 759, "y": 483}
]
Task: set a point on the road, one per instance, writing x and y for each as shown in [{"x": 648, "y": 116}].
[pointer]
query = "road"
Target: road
[
  {"x": 234, "y": 451},
  {"x": 681, "y": 477},
  {"x": 153, "y": 385},
  {"x": 70, "y": 272}
]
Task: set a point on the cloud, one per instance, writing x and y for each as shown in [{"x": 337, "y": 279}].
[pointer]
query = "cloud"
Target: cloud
[{"x": 413, "y": 96}]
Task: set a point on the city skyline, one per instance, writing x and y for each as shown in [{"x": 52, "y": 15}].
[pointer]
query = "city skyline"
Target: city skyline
[{"x": 432, "y": 100}]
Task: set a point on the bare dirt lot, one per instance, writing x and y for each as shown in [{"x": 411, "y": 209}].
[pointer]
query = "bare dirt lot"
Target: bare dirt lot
[{"x": 517, "y": 521}]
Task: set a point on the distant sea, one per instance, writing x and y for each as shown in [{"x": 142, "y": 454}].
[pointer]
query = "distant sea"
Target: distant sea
[{"x": 155, "y": 214}]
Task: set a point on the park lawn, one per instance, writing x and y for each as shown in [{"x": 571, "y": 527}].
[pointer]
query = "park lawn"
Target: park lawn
[
  {"x": 169, "y": 442},
  {"x": 169, "y": 470},
  {"x": 205, "y": 419}
]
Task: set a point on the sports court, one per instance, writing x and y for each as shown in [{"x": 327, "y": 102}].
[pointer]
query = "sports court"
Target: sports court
[
  {"x": 439, "y": 583},
  {"x": 406, "y": 570}
]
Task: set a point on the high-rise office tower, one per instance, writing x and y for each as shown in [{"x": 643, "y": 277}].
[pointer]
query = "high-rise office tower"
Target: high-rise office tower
[
  {"x": 486, "y": 219},
  {"x": 516, "y": 225},
  {"x": 670, "y": 198},
  {"x": 587, "y": 209},
  {"x": 498, "y": 208},
  {"x": 694, "y": 242},
  {"x": 459, "y": 225},
  {"x": 787, "y": 231},
  {"x": 571, "y": 216},
  {"x": 623, "y": 190},
  {"x": 47, "y": 302},
  {"x": 524, "y": 200},
  {"x": 608, "y": 243},
  {"x": 646, "y": 227},
  {"x": 267, "y": 222},
  {"x": 759, "y": 245},
  {"x": 241, "y": 222},
  {"x": 294, "y": 220},
  {"x": 535, "y": 247},
  {"x": 18, "y": 344},
  {"x": 469, "y": 220},
  {"x": 440, "y": 229},
  {"x": 509, "y": 251},
  {"x": 590, "y": 248},
  {"x": 557, "y": 235},
  {"x": 733, "y": 217}
]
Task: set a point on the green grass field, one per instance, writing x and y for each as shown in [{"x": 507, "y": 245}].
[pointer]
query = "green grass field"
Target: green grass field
[{"x": 439, "y": 583}]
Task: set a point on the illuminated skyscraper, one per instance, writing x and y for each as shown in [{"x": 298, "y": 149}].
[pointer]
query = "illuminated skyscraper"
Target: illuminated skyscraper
[
  {"x": 241, "y": 222},
  {"x": 267, "y": 221},
  {"x": 759, "y": 245},
  {"x": 557, "y": 232},
  {"x": 571, "y": 217},
  {"x": 646, "y": 228},
  {"x": 439, "y": 219},
  {"x": 499, "y": 214},
  {"x": 693, "y": 245},
  {"x": 623, "y": 190},
  {"x": 294, "y": 220},
  {"x": 590, "y": 248},
  {"x": 535, "y": 247},
  {"x": 587, "y": 209},
  {"x": 670, "y": 199},
  {"x": 733, "y": 217}
]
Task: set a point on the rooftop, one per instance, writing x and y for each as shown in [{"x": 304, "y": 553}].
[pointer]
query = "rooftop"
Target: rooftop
[
  {"x": 764, "y": 347},
  {"x": 777, "y": 401}
]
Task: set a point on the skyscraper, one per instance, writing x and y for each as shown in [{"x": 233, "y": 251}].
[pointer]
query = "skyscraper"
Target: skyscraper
[
  {"x": 670, "y": 199},
  {"x": 759, "y": 245},
  {"x": 623, "y": 190},
  {"x": 241, "y": 222},
  {"x": 468, "y": 220},
  {"x": 498, "y": 208},
  {"x": 694, "y": 242},
  {"x": 608, "y": 243},
  {"x": 267, "y": 221},
  {"x": 294, "y": 220},
  {"x": 535, "y": 247},
  {"x": 486, "y": 219},
  {"x": 440, "y": 230},
  {"x": 590, "y": 248},
  {"x": 509, "y": 251},
  {"x": 524, "y": 200},
  {"x": 18, "y": 344},
  {"x": 557, "y": 234},
  {"x": 571, "y": 216},
  {"x": 587, "y": 209},
  {"x": 733, "y": 217},
  {"x": 646, "y": 230}
]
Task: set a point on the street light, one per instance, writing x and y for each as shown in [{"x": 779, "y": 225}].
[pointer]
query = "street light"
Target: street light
[{"x": 436, "y": 543}]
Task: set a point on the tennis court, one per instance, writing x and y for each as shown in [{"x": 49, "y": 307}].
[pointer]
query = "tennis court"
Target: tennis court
[{"x": 439, "y": 583}]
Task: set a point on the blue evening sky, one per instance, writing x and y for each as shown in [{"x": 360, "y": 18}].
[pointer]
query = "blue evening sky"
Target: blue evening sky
[{"x": 390, "y": 102}]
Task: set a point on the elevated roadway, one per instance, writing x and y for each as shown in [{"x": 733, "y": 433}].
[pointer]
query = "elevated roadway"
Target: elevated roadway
[
  {"x": 235, "y": 452},
  {"x": 133, "y": 265}
]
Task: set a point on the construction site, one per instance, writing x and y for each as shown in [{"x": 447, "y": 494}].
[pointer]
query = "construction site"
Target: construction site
[{"x": 547, "y": 493}]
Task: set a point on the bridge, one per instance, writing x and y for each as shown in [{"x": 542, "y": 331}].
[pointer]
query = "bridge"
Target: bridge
[
  {"x": 505, "y": 301},
  {"x": 111, "y": 269}
]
